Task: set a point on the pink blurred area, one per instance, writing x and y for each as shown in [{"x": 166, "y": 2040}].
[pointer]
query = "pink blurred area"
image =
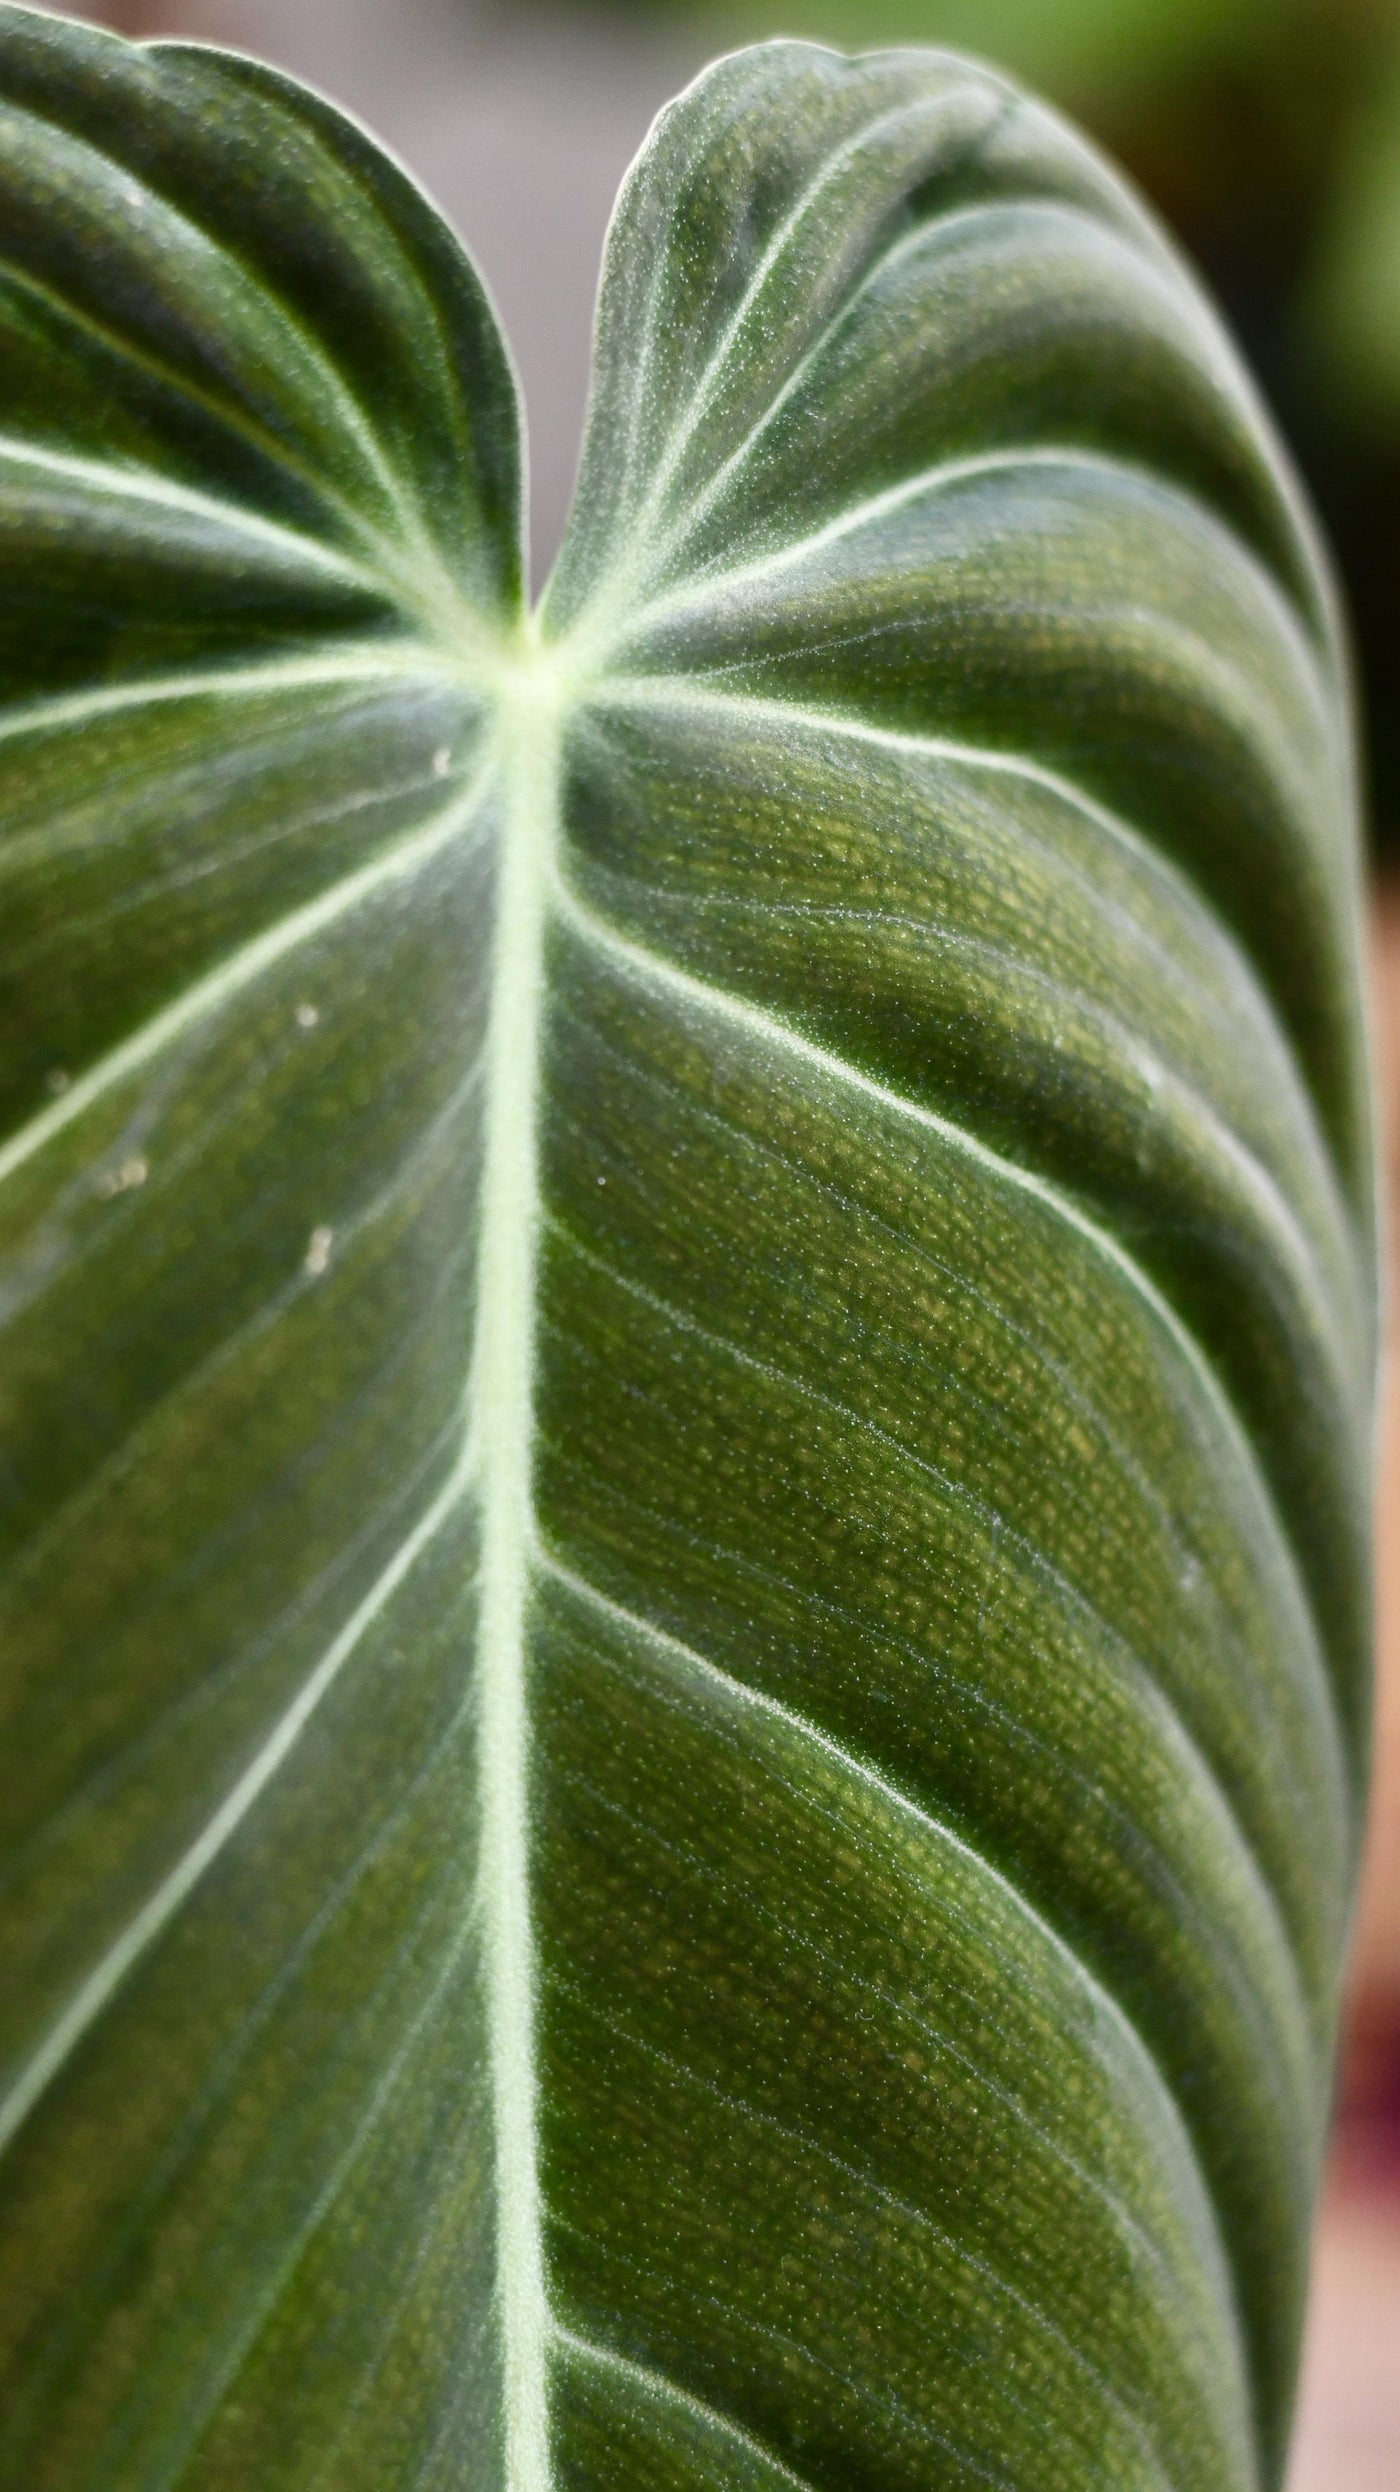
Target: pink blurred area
[
  {"x": 1349, "y": 2416},
  {"x": 1348, "y": 2435}
]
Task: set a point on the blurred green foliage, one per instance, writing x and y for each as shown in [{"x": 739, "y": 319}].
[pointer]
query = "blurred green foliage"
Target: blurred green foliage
[
  {"x": 1268, "y": 133},
  {"x": 1353, "y": 299},
  {"x": 1085, "y": 47}
]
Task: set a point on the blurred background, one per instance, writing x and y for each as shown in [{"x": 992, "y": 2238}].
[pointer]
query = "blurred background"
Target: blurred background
[{"x": 1268, "y": 133}]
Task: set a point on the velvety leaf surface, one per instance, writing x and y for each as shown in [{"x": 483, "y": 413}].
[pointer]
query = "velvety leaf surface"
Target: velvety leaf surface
[{"x": 688, "y": 1320}]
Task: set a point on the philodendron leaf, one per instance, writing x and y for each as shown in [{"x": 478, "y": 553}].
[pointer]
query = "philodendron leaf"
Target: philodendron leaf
[{"x": 687, "y": 1297}]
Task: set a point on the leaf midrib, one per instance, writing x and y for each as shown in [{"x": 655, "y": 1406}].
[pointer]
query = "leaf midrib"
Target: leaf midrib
[{"x": 501, "y": 1404}]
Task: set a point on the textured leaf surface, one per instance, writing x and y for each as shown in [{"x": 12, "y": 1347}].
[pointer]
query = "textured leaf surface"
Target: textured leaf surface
[{"x": 687, "y": 1300}]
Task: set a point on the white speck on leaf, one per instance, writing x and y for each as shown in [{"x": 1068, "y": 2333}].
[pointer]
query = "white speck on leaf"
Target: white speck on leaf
[
  {"x": 318, "y": 1252},
  {"x": 442, "y": 761},
  {"x": 307, "y": 1016},
  {"x": 123, "y": 1180}
]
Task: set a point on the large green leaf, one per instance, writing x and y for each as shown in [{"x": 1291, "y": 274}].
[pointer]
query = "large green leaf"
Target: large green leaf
[{"x": 687, "y": 1320}]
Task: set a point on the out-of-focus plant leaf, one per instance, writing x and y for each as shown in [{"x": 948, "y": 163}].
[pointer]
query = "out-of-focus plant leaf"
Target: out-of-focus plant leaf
[
  {"x": 1354, "y": 290},
  {"x": 1077, "y": 48},
  {"x": 688, "y": 1329}
]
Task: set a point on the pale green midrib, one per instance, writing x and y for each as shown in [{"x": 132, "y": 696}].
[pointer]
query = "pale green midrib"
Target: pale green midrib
[{"x": 501, "y": 1398}]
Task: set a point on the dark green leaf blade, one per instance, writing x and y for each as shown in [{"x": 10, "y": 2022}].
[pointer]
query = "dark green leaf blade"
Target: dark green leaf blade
[
  {"x": 688, "y": 1321},
  {"x": 963, "y": 1125},
  {"x": 260, "y": 525}
]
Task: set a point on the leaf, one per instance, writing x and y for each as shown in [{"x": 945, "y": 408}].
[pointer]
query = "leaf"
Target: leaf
[{"x": 689, "y": 1323}]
